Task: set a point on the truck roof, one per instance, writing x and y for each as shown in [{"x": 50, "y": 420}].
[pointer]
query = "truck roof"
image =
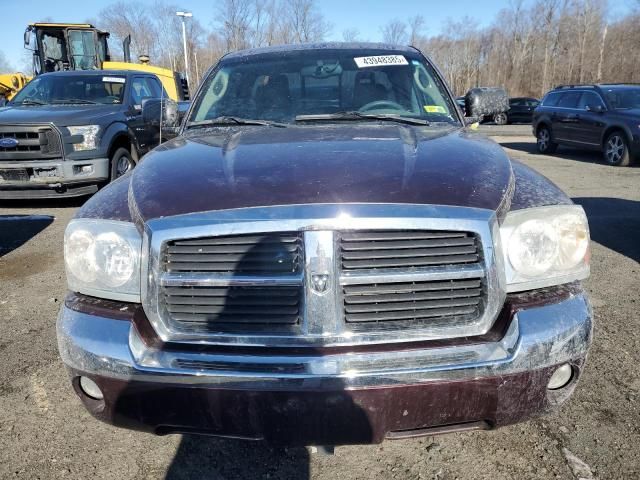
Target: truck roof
[
  {"x": 89, "y": 73},
  {"x": 321, "y": 46}
]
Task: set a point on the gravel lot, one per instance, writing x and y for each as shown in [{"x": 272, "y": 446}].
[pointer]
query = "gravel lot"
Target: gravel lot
[{"x": 46, "y": 433}]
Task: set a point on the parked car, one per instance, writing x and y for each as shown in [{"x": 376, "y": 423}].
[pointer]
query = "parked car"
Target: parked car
[
  {"x": 326, "y": 255},
  {"x": 604, "y": 118},
  {"x": 66, "y": 133},
  {"x": 520, "y": 111}
]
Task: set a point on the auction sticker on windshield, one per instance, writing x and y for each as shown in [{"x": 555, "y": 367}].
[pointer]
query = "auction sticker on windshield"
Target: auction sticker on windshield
[
  {"x": 380, "y": 60},
  {"x": 113, "y": 79}
]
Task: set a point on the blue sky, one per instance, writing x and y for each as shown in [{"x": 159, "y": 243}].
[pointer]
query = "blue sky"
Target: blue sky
[{"x": 365, "y": 15}]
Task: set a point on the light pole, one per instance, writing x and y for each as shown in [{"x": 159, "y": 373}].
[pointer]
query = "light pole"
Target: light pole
[{"x": 183, "y": 15}]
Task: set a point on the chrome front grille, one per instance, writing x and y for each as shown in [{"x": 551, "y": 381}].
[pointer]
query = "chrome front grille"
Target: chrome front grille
[
  {"x": 34, "y": 142},
  {"x": 315, "y": 275}
]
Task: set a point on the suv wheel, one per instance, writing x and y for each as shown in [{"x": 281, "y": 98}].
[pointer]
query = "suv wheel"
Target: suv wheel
[
  {"x": 616, "y": 150},
  {"x": 121, "y": 163},
  {"x": 500, "y": 118},
  {"x": 544, "y": 143}
]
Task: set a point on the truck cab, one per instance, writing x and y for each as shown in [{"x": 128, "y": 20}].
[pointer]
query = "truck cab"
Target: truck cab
[{"x": 58, "y": 46}]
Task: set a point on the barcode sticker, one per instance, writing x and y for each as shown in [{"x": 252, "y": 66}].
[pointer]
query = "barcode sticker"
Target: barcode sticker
[
  {"x": 113, "y": 79},
  {"x": 380, "y": 60}
]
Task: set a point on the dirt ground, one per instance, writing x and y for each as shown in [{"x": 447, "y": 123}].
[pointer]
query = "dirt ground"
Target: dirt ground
[{"x": 46, "y": 433}]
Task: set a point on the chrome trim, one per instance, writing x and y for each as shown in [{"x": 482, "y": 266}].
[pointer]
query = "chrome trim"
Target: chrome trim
[
  {"x": 319, "y": 221},
  {"x": 414, "y": 275},
  {"x": 216, "y": 280},
  {"x": 537, "y": 337}
]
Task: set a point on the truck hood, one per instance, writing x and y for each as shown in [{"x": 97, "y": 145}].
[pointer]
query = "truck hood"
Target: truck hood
[
  {"x": 227, "y": 168},
  {"x": 61, "y": 115}
]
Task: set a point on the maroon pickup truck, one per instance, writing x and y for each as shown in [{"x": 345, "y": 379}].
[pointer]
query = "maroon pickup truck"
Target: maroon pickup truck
[{"x": 326, "y": 254}]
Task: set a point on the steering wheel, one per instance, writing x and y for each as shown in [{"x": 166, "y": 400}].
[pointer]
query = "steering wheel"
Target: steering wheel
[{"x": 381, "y": 105}]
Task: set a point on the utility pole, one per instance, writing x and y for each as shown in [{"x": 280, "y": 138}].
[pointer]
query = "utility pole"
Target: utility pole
[{"x": 184, "y": 15}]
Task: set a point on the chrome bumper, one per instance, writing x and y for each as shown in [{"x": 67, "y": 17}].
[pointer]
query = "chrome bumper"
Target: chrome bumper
[{"x": 538, "y": 337}]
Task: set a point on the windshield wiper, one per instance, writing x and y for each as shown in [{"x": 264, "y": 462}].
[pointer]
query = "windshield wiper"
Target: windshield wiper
[
  {"x": 229, "y": 120},
  {"x": 355, "y": 115},
  {"x": 30, "y": 101},
  {"x": 75, "y": 100}
]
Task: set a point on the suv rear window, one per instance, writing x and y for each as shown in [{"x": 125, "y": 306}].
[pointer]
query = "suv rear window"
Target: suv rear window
[
  {"x": 569, "y": 100},
  {"x": 551, "y": 100}
]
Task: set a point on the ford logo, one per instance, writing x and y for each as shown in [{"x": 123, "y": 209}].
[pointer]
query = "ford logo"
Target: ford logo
[{"x": 8, "y": 143}]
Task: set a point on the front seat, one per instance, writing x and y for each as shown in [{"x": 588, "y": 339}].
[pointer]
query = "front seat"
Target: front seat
[
  {"x": 273, "y": 99},
  {"x": 366, "y": 90}
]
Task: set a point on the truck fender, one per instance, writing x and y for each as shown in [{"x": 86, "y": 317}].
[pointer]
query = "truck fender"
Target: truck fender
[{"x": 119, "y": 132}]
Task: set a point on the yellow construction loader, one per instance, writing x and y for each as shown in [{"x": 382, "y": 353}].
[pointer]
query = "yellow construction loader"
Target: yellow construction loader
[
  {"x": 81, "y": 46},
  {"x": 10, "y": 84}
]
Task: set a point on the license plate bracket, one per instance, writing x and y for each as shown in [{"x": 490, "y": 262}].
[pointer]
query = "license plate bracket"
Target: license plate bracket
[{"x": 14, "y": 174}]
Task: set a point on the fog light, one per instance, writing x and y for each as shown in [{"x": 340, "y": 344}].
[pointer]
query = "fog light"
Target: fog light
[
  {"x": 90, "y": 388},
  {"x": 83, "y": 169},
  {"x": 561, "y": 377}
]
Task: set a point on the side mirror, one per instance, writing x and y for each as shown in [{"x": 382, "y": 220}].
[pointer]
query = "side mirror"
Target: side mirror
[
  {"x": 161, "y": 113},
  {"x": 27, "y": 38},
  {"x": 484, "y": 101}
]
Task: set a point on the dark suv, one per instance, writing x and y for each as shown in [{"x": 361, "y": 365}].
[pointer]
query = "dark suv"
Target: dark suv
[{"x": 597, "y": 117}]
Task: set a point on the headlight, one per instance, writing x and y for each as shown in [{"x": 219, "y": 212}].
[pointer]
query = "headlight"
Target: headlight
[
  {"x": 89, "y": 134},
  {"x": 102, "y": 259},
  {"x": 545, "y": 246}
]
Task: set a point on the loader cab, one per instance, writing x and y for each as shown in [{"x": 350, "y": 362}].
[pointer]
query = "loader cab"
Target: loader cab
[{"x": 57, "y": 47}]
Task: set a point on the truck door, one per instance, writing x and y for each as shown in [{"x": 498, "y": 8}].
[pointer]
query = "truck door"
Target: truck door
[{"x": 141, "y": 88}]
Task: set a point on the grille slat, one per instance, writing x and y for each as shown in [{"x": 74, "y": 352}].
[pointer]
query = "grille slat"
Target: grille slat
[
  {"x": 278, "y": 253},
  {"x": 234, "y": 323},
  {"x": 410, "y": 287},
  {"x": 411, "y": 297},
  {"x": 408, "y": 252},
  {"x": 403, "y": 249},
  {"x": 407, "y": 315},
  {"x": 383, "y": 245},
  {"x": 407, "y": 262}
]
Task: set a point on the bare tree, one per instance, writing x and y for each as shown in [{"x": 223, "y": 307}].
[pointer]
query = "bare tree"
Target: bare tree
[
  {"x": 306, "y": 22},
  {"x": 351, "y": 35},
  {"x": 395, "y": 32},
  {"x": 4, "y": 63},
  {"x": 416, "y": 30}
]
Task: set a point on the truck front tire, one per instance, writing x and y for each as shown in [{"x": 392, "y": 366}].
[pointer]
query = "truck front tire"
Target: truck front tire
[{"x": 121, "y": 162}]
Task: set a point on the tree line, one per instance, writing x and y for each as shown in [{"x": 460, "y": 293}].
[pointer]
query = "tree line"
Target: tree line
[{"x": 530, "y": 46}]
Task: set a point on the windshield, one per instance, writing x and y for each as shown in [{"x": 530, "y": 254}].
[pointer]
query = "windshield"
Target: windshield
[
  {"x": 82, "y": 49},
  {"x": 621, "y": 98},
  {"x": 72, "y": 89},
  {"x": 323, "y": 85}
]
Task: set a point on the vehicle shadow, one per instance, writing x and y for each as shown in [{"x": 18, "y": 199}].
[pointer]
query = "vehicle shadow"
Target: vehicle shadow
[
  {"x": 614, "y": 223},
  {"x": 72, "y": 202},
  {"x": 16, "y": 230},
  {"x": 309, "y": 412},
  {"x": 201, "y": 457},
  {"x": 566, "y": 153}
]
